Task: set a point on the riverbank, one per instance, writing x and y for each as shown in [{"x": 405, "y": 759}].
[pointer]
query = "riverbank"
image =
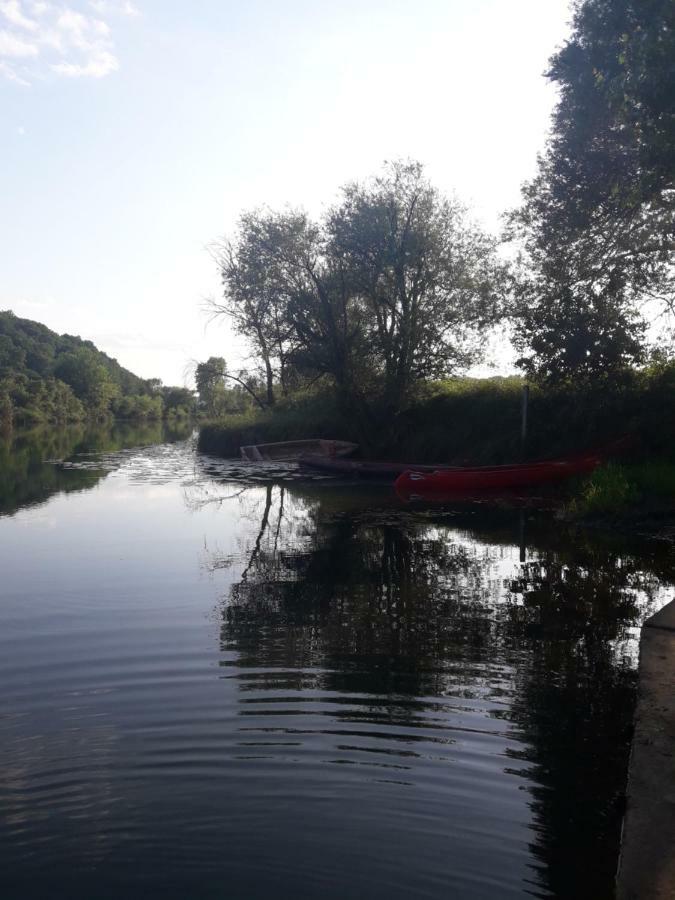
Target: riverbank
[
  {"x": 478, "y": 421},
  {"x": 647, "y": 864},
  {"x": 471, "y": 420}
]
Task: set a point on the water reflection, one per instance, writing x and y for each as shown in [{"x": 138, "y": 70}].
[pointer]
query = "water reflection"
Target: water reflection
[
  {"x": 359, "y": 696},
  {"x": 421, "y": 636},
  {"x": 28, "y": 475}
]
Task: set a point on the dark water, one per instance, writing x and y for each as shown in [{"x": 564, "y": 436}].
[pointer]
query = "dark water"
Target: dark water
[{"x": 216, "y": 687}]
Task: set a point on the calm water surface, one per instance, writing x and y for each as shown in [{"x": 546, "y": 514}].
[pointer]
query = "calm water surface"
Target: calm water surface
[{"x": 217, "y": 686}]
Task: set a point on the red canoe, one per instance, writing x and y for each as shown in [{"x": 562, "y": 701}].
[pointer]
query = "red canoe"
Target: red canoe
[{"x": 495, "y": 477}]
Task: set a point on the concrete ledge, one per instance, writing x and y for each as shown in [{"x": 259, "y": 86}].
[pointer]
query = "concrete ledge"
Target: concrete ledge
[
  {"x": 664, "y": 618},
  {"x": 647, "y": 860}
]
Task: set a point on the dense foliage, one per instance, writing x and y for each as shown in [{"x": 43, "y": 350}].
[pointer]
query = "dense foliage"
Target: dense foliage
[
  {"x": 220, "y": 392},
  {"x": 46, "y": 377},
  {"x": 390, "y": 289},
  {"x": 466, "y": 421},
  {"x": 598, "y": 221}
]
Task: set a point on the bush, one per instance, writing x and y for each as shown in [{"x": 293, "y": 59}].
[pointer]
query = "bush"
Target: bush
[
  {"x": 305, "y": 415},
  {"x": 471, "y": 420},
  {"x": 608, "y": 490}
]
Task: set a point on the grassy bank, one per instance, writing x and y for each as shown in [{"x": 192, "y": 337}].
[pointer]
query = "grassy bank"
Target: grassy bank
[
  {"x": 617, "y": 490},
  {"x": 474, "y": 421}
]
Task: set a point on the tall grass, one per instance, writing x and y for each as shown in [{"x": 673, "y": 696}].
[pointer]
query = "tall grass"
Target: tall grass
[
  {"x": 305, "y": 415},
  {"x": 608, "y": 490},
  {"x": 614, "y": 488},
  {"x": 469, "y": 420}
]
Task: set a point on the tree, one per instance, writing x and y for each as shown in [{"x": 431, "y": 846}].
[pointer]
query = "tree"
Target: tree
[
  {"x": 390, "y": 288},
  {"x": 598, "y": 221},
  {"x": 426, "y": 278},
  {"x": 254, "y": 275},
  {"x": 210, "y": 381},
  {"x": 88, "y": 379},
  {"x": 6, "y": 409},
  {"x": 178, "y": 401}
]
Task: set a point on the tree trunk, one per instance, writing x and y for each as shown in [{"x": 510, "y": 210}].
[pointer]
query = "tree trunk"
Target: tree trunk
[{"x": 269, "y": 378}]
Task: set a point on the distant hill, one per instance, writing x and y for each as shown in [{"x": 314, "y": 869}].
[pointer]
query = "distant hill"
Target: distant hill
[
  {"x": 32, "y": 348},
  {"x": 47, "y": 377}
]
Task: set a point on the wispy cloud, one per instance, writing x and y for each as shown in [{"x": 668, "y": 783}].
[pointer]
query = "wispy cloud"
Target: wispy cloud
[
  {"x": 14, "y": 47},
  {"x": 125, "y": 7},
  {"x": 72, "y": 40},
  {"x": 11, "y": 10},
  {"x": 7, "y": 71}
]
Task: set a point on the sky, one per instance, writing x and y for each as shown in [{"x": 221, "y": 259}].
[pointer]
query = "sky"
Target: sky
[{"x": 133, "y": 133}]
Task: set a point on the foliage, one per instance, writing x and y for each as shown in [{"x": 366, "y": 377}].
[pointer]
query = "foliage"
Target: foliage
[
  {"x": 305, "y": 414},
  {"x": 215, "y": 398},
  {"x": 6, "y": 410},
  {"x": 137, "y": 406},
  {"x": 46, "y": 377},
  {"x": 389, "y": 289},
  {"x": 611, "y": 489},
  {"x": 607, "y": 490},
  {"x": 209, "y": 378},
  {"x": 597, "y": 222},
  {"x": 88, "y": 379},
  {"x": 471, "y": 420},
  {"x": 179, "y": 403},
  {"x": 655, "y": 479}
]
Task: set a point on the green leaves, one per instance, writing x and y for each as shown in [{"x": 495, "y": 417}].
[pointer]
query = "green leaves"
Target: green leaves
[{"x": 597, "y": 225}]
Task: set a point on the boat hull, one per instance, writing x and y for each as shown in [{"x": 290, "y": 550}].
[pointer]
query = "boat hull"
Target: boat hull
[
  {"x": 357, "y": 468},
  {"x": 495, "y": 477},
  {"x": 290, "y": 450}
]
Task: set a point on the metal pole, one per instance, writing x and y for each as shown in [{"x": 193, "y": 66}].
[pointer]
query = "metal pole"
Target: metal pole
[{"x": 523, "y": 416}]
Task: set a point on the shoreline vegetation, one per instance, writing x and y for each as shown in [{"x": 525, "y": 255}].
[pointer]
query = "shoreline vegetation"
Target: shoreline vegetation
[{"x": 476, "y": 421}]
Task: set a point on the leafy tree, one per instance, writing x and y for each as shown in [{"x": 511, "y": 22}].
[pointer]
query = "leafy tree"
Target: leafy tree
[
  {"x": 598, "y": 221},
  {"x": 210, "y": 381},
  {"x": 88, "y": 379},
  {"x": 178, "y": 401},
  {"x": 426, "y": 279},
  {"x": 255, "y": 270},
  {"x": 138, "y": 407},
  {"x": 6, "y": 410},
  {"x": 390, "y": 288}
]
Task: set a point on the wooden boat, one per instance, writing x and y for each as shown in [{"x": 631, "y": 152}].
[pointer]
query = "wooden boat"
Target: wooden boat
[
  {"x": 528, "y": 474},
  {"x": 288, "y": 450},
  {"x": 358, "y": 468}
]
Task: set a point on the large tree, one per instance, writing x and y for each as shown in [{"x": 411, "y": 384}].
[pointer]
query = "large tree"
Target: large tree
[
  {"x": 598, "y": 221},
  {"x": 391, "y": 287},
  {"x": 254, "y": 272},
  {"x": 426, "y": 277}
]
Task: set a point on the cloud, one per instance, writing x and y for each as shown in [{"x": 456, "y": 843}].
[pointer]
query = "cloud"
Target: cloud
[
  {"x": 11, "y": 10},
  {"x": 98, "y": 66},
  {"x": 8, "y": 72},
  {"x": 124, "y": 7},
  {"x": 71, "y": 40},
  {"x": 13, "y": 47}
]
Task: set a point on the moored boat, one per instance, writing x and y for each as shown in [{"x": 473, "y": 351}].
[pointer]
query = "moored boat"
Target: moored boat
[
  {"x": 289, "y": 450},
  {"x": 359, "y": 468},
  {"x": 530, "y": 474}
]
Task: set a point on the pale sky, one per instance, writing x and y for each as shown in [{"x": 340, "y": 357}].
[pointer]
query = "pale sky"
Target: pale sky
[{"x": 134, "y": 133}]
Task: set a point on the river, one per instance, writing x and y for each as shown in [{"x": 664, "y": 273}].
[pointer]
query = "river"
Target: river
[{"x": 221, "y": 681}]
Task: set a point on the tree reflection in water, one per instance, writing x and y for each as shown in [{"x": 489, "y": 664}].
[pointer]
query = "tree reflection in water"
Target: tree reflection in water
[
  {"x": 28, "y": 475},
  {"x": 353, "y": 594}
]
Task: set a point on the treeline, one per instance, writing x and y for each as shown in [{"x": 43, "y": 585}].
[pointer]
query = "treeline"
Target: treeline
[
  {"x": 395, "y": 287},
  {"x": 51, "y": 378}
]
